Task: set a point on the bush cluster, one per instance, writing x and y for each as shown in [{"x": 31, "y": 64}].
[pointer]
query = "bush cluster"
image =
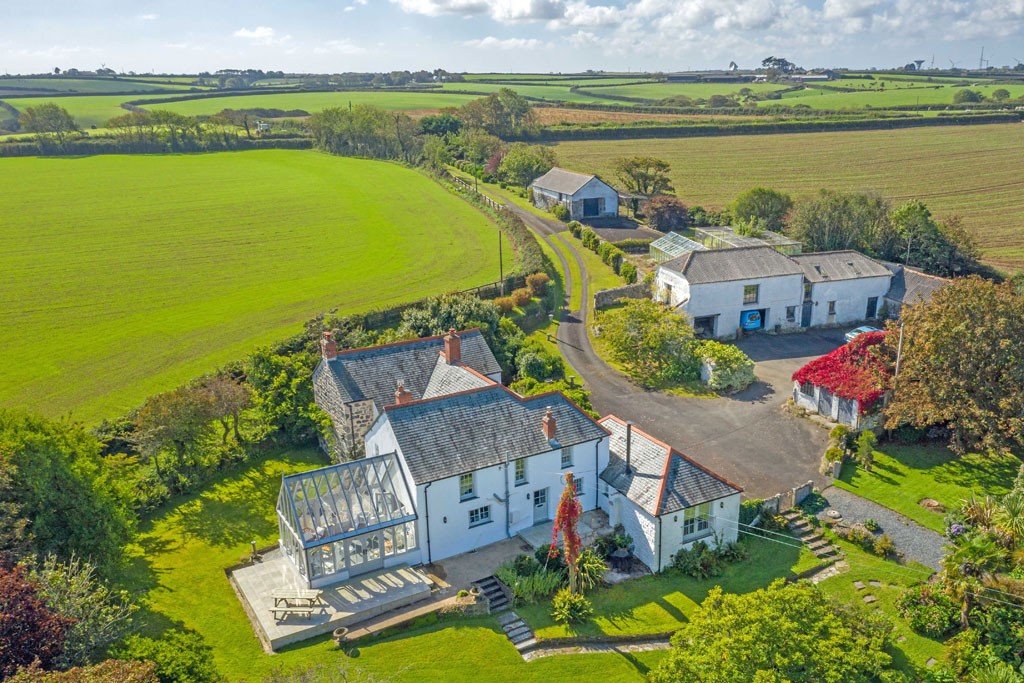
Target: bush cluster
[
  {"x": 883, "y": 545},
  {"x": 731, "y": 369},
  {"x": 570, "y": 608},
  {"x": 560, "y": 211},
  {"x": 701, "y": 561},
  {"x": 929, "y": 611}
]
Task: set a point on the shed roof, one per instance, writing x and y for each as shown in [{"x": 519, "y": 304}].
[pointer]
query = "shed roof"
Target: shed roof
[
  {"x": 662, "y": 480},
  {"x": 461, "y": 433},
  {"x": 560, "y": 180},
  {"x": 373, "y": 373},
  {"x": 911, "y": 286},
  {"x": 829, "y": 266},
  {"x": 725, "y": 265}
]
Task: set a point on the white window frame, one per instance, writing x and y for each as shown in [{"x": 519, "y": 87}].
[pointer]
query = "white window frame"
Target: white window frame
[
  {"x": 520, "y": 472},
  {"x": 482, "y": 514},
  {"x": 577, "y": 483},
  {"x": 566, "y": 457},
  {"x": 467, "y": 493},
  {"x": 697, "y": 521},
  {"x": 757, "y": 294}
]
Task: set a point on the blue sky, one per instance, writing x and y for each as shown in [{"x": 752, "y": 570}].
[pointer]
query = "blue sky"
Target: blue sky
[{"x": 505, "y": 35}]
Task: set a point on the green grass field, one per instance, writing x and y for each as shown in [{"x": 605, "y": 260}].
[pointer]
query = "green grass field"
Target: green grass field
[
  {"x": 903, "y": 475},
  {"x": 318, "y": 101},
  {"x": 974, "y": 171},
  {"x": 89, "y": 85},
  {"x": 180, "y": 560},
  {"x": 889, "y": 97},
  {"x": 128, "y": 275},
  {"x": 659, "y": 91},
  {"x": 87, "y": 110}
]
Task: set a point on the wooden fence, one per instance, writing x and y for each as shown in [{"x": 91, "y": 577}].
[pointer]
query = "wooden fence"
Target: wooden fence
[{"x": 471, "y": 187}]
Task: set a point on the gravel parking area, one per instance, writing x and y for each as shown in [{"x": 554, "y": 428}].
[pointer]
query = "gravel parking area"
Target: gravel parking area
[{"x": 913, "y": 540}]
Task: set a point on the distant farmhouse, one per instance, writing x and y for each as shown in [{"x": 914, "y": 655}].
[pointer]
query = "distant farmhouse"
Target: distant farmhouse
[
  {"x": 758, "y": 288},
  {"x": 456, "y": 461},
  {"x": 585, "y": 196}
]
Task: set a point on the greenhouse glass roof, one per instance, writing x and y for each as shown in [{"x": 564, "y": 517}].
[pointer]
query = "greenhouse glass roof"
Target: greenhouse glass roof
[
  {"x": 673, "y": 245},
  {"x": 353, "y": 498}
]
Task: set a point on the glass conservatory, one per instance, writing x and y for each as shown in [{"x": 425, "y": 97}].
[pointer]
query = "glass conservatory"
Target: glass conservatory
[{"x": 348, "y": 519}]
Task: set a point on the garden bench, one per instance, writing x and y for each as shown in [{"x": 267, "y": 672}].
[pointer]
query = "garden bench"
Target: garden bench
[{"x": 307, "y": 611}]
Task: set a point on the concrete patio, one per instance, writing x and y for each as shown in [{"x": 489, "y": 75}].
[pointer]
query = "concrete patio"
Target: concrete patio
[
  {"x": 345, "y": 604},
  {"x": 593, "y": 523}
]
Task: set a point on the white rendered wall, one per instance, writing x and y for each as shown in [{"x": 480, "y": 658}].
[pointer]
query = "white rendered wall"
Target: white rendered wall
[
  {"x": 724, "y": 519},
  {"x": 851, "y": 297},
  {"x": 725, "y": 299}
]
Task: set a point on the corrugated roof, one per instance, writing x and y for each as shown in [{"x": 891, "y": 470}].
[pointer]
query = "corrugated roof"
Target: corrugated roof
[
  {"x": 725, "y": 265},
  {"x": 662, "y": 480},
  {"x": 828, "y": 266},
  {"x": 465, "y": 432},
  {"x": 560, "y": 180},
  {"x": 375, "y": 372}
]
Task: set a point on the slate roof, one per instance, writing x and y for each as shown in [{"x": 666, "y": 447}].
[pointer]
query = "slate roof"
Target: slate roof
[
  {"x": 374, "y": 373},
  {"x": 663, "y": 480},
  {"x": 560, "y": 180},
  {"x": 461, "y": 433},
  {"x": 725, "y": 265},
  {"x": 829, "y": 266},
  {"x": 910, "y": 286},
  {"x": 451, "y": 379}
]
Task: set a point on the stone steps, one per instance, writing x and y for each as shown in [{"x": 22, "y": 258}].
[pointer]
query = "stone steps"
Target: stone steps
[
  {"x": 516, "y": 630},
  {"x": 491, "y": 589}
]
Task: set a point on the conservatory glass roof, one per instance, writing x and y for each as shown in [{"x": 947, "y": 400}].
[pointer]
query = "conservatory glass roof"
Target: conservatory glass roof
[
  {"x": 353, "y": 498},
  {"x": 672, "y": 245}
]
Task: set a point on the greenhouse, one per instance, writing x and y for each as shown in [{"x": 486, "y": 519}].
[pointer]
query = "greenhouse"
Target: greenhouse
[
  {"x": 672, "y": 245},
  {"x": 340, "y": 521}
]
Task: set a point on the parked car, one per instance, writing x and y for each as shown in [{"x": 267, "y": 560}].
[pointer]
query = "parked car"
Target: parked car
[{"x": 853, "y": 334}]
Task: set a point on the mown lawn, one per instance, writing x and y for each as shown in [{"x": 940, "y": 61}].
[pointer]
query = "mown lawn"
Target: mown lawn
[
  {"x": 180, "y": 560},
  {"x": 129, "y": 275},
  {"x": 903, "y": 475},
  {"x": 655, "y": 604},
  {"x": 974, "y": 171}
]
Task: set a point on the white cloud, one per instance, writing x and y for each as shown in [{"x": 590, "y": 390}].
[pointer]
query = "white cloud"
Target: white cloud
[
  {"x": 148, "y": 17},
  {"x": 350, "y": 8},
  {"x": 492, "y": 43},
  {"x": 505, "y": 11},
  {"x": 258, "y": 33}
]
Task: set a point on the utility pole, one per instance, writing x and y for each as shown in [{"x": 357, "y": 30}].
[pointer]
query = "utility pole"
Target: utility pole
[
  {"x": 899, "y": 352},
  {"x": 501, "y": 265}
]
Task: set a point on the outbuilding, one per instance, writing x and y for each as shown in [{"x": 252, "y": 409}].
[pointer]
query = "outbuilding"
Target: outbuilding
[
  {"x": 847, "y": 384},
  {"x": 585, "y": 196}
]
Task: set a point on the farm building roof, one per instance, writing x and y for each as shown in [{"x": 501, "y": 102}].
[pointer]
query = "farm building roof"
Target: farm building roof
[
  {"x": 853, "y": 371},
  {"x": 373, "y": 373},
  {"x": 464, "y": 432},
  {"x": 560, "y": 180},
  {"x": 662, "y": 480},
  {"x": 724, "y": 265},
  {"x": 828, "y": 266},
  {"x": 911, "y": 286}
]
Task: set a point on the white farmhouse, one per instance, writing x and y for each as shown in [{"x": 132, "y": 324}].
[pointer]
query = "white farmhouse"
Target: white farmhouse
[
  {"x": 586, "y": 196},
  {"x": 663, "y": 499},
  {"x": 841, "y": 287},
  {"x": 722, "y": 290}
]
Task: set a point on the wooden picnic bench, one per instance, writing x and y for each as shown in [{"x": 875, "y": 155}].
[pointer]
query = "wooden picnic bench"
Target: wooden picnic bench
[
  {"x": 305, "y": 610},
  {"x": 302, "y": 597}
]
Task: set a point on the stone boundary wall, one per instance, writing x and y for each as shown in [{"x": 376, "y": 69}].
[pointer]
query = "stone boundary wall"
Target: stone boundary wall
[{"x": 608, "y": 297}]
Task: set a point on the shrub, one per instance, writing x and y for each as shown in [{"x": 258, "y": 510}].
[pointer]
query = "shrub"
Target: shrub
[
  {"x": 930, "y": 612},
  {"x": 750, "y": 509},
  {"x": 732, "y": 369},
  {"x": 866, "y": 449},
  {"x": 628, "y": 272},
  {"x": 462, "y": 593},
  {"x": 871, "y": 525},
  {"x": 521, "y": 296},
  {"x": 700, "y": 561},
  {"x": 840, "y": 436},
  {"x": 884, "y": 546},
  {"x": 589, "y": 238},
  {"x": 570, "y": 608},
  {"x": 605, "y": 545},
  {"x": 550, "y": 557},
  {"x": 505, "y": 304},
  {"x": 560, "y": 211},
  {"x": 575, "y": 227},
  {"x": 666, "y": 213},
  {"x": 537, "y": 283},
  {"x": 180, "y": 656},
  {"x": 833, "y": 454},
  {"x": 591, "y": 569}
]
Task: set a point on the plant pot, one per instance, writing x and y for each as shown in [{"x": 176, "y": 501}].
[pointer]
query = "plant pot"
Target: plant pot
[
  {"x": 474, "y": 592},
  {"x": 340, "y": 634}
]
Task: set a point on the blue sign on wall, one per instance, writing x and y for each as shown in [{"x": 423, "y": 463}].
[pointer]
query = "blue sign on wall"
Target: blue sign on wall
[{"x": 751, "y": 320}]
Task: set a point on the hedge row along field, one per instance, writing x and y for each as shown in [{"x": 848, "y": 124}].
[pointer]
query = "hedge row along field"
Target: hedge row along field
[
  {"x": 129, "y": 275},
  {"x": 974, "y": 171}
]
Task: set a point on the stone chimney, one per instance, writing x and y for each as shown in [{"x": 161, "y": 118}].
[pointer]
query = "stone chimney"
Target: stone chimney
[
  {"x": 452, "y": 347},
  {"x": 402, "y": 395},
  {"x": 548, "y": 425},
  {"x": 328, "y": 347}
]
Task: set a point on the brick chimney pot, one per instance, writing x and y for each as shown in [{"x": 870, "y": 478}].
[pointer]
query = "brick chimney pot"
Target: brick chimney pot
[
  {"x": 328, "y": 347},
  {"x": 548, "y": 425},
  {"x": 452, "y": 347}
]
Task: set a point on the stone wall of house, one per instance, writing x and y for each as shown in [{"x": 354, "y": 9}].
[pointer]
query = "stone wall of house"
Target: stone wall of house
[{"x": 608, "y": 297}]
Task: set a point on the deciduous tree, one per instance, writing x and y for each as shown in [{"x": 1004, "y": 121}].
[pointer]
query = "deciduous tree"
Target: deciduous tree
[
  {"x": 228, "y": 398},
  {"x": 653, "y": 343},
  {"x": 644, "y": 175},
  {"x": 29, "y": 630},
  {"x": 768, "y": 207},
  {"x": 175, "y": 420},
  {"x": 51, "y": 123},
  {"x": 841, "y": 220},
  {"x": 523, "y": 163},
  {"x": 666, "y": 213},
  {"x": 962, "y": 364},
  {"x": 784, "y": 633}
]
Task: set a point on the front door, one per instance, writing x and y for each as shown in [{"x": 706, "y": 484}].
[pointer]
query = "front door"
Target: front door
[
  {"x": 364, "y": 554},
  {"x": 805, "y": 316},
  {"x": 540, "y": 506},
  {"x": 872, "y": 307}
]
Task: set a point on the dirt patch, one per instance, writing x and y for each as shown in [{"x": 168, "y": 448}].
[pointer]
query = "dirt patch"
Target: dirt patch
[{"x": 932, "y": 505}]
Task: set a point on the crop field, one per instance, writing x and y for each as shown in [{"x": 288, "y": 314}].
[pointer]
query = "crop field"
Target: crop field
[
  {"x": 549, "y": 116},
  {"x": 974, "y": 171},
  {"x": 87, "y": 110},
  {"x": 88, "y": 85},
  {"x": 553, "y": 92},
  {"x": 889, "y": 97},
  {"x": 660, "y": 91},
  {"x": 128, "y": 275}
]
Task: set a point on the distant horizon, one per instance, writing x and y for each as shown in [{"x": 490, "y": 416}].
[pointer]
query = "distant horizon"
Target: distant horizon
[{"x": 510, "y": 36}]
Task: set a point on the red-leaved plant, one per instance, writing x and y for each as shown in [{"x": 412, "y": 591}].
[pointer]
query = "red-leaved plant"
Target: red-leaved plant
[
  {"x": 857, "y": 371},
  {"x": 567, "y": 519}
]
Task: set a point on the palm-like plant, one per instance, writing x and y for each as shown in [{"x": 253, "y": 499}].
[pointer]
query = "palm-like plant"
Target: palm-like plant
[
  {"x": 980, "y": 512},
  {"x": 968, "y": 563},
  {"x": 997, "y": 673},
  {"x": 1010, "y": 515}
]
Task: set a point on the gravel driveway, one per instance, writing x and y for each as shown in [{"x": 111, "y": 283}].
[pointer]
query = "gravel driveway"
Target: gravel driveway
[{"x": 913, "y": 540}]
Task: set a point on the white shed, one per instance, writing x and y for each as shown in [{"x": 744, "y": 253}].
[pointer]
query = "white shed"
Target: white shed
[
  {"x": 586, "y": 196},
  {"x": 663, "y": 499}
]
